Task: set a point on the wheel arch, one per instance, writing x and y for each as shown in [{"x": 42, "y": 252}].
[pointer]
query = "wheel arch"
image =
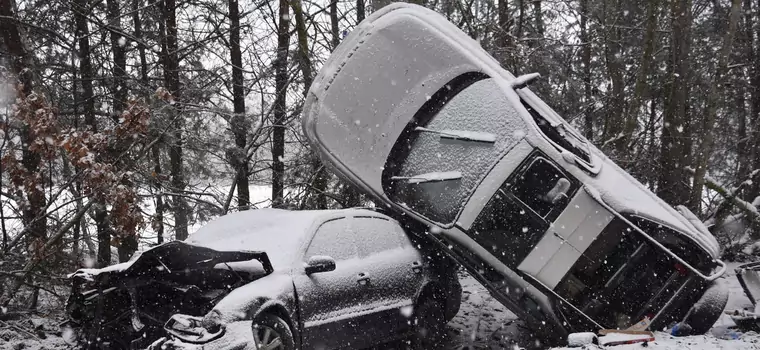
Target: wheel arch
[{"x": 277, "y": 308}]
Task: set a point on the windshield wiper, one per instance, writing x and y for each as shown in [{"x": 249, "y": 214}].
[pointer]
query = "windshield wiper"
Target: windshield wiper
[
  {"x": 430, "y": 177},
  {"x": 463, "y": 135}
]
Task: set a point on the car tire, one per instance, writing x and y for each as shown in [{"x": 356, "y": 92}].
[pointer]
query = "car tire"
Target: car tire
[
  {"x": 271, "y": 332},
  {"x": 703, "y": 315},
  {"x": 429, "y": 320}
]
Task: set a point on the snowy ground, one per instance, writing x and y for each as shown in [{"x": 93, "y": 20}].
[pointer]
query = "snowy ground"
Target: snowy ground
[{"x": 482, "y": 323}]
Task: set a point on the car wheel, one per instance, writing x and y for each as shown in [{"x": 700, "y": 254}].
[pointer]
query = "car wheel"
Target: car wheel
[
  {"x": 708, "y": 309},
  {"x": 429, "y": 322},
  {"x": 272, "y": 333}
]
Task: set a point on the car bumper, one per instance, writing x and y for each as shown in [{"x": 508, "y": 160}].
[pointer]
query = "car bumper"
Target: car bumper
[{"x": 235, "y": 336}]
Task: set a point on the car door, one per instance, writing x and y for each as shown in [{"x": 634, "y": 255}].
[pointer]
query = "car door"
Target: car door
[
  {"x": 328, "y": 300},
  {"x": 396, "y": 272}
]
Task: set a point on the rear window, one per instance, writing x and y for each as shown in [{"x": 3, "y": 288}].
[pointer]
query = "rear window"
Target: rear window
[{"x": 453, "y": 142}]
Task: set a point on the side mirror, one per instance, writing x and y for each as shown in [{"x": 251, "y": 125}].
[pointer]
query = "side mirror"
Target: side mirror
[{"x": 320, "y": 263}]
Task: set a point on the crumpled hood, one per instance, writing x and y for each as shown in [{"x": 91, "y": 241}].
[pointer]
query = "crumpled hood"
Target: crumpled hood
[{"x": 171, "y": 256}]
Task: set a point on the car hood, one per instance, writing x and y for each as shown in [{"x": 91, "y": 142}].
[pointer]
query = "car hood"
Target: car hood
[{"x": 178, "y": 256}]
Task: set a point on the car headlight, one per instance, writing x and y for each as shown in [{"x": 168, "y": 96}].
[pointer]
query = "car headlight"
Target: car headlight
[{"x": 195, "y": 330}]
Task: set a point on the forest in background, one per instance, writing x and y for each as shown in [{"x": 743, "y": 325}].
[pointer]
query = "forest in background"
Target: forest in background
[{"x": 126, "y": 123}]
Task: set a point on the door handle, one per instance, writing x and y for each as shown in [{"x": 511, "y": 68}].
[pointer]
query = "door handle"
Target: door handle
[
  {"x": 417, "y": 267},
  {"x": 363, "y": 278}
]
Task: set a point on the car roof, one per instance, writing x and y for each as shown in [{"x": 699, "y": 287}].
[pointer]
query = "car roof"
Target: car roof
[{"x": 278, "y": 232}]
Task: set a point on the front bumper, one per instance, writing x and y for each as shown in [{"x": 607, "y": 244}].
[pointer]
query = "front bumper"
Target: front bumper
[{"x": 188, "y": 336}]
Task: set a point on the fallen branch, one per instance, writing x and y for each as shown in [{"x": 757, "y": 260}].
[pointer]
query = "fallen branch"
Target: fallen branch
[{"x": 750, "y": 210}]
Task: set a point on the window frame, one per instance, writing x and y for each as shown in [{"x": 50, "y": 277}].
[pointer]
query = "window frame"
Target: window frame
[
  {"x": 306, "y": 254},
  {"x": 527, "y": 97}
]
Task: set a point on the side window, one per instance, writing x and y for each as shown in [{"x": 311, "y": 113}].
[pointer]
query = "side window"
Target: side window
[
  {"x": 335, "y": 239},
  {"x": 539, "y": 186},
  {"x": 375, "y": 235}
]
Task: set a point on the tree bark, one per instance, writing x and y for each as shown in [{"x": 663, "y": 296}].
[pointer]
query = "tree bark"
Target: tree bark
[
  {"x": 119, "y": 72},
  {"x": 137, "y": 22},
  {"x": 588, "y": 116},
  {"x": 171, "y": 79},
  {"x": 239, "y": 126},
  {"x": 360, "y": 11},
  {"x": 334, "y": 29},
  {"x": 99, "y": 215},
  {"x": 631, "y": 116},
  {"x": 713, "y": 101},
  {"x": 754, "y": 119},
  {"x": 315, "y": 198},
  {"x": 743, "y": 145},
  {"x": 503, "y": 36},
  {"x": 280, "y": 107},
  {"x": 614, "y": 118},
  {"x": 674, "y": 153}
]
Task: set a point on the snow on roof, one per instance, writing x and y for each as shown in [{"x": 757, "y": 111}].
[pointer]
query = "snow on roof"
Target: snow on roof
[{"x": 280, "y": 233}]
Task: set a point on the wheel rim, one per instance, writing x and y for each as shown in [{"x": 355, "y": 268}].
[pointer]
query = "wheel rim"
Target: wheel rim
[{"x": 267, "y": 338}]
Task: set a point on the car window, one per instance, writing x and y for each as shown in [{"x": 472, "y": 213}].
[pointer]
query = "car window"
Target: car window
[
  {"x": 375, "y": 235},
  {"x": 533, "y": 186},
  {"x": 451, "y": 145},
  {"x": 335, "y": 239}
]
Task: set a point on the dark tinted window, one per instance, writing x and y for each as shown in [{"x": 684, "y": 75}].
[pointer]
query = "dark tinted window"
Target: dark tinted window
[
  {"x": 533, "y": 186},
  {"x": 476, "y": 107},
  {"x": 335, "y": 239}
]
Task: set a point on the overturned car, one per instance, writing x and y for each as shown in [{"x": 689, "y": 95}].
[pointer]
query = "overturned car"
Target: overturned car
[
  {"x": 293, "y": 280},
  {"x": 416, "y": 114}
]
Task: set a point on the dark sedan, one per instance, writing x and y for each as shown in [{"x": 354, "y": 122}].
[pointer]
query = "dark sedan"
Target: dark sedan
[{"x": 298, "y": 280}]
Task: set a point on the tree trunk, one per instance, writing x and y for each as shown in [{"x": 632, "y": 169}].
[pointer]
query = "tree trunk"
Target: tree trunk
[
  {"x": 713, "y": 101},
  {"x": 119, "y": 72},
  {"x": 360, "y": 11},
  {"x": 157, "y": 223},
  {"x": 588, "y": 116},
  {"x": 754, "y": 119},
  {"x": 140, "y": 47},
  {"x": 315, "y": 198},
  {"x": 674, "y": 155},
  {"x": 614, "y": 123},
  {"x": 334, "y": 28},
  {"x": 239, "y": 126},
  {"x": 743, "y": 145},
  {"x": 631, "y": 116},
  {"x": 280, "y": 107},
  {"x": 538, "y": 19},
  {"x": 503, "y": 36},
  {"x": 81, "y": 8},
  {"x": 171, "y": 78}
]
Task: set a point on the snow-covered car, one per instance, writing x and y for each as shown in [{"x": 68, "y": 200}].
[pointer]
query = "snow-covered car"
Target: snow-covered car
[
  {"x": 416, "y": 114},
  {"x": 306, "y": 279}
]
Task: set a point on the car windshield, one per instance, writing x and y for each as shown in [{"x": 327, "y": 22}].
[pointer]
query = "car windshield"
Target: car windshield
[{"x": 461, "y": 132}]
